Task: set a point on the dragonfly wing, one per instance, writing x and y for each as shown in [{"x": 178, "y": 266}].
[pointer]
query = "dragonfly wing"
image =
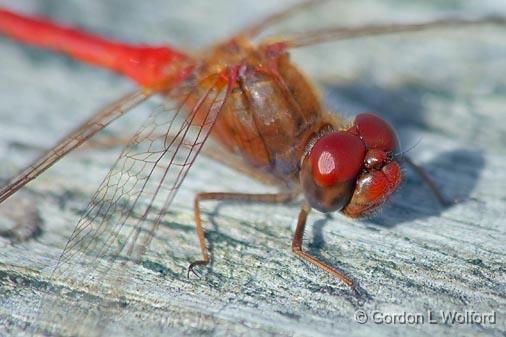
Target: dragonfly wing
[
  {"x": 126, "y": 210},
  {"x": 310, "y": 38},
  {"x": 78, "y": 136}
]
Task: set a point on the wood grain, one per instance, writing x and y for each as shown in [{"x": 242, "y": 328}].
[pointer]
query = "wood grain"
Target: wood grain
[{"x": 444, "y": 91}]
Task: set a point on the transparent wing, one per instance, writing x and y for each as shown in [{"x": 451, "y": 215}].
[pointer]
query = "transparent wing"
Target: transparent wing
[
  {"x": 341, "y": 33},
  {"x": 74, "y": 139},
  {"x": 126, "y": 210}
]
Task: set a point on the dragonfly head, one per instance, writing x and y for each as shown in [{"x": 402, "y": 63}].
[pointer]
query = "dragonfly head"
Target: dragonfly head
[{"x": 352, "y": 170}]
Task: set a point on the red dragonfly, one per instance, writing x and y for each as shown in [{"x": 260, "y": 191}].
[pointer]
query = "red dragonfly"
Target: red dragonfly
[{"x": 253, "y": 101}]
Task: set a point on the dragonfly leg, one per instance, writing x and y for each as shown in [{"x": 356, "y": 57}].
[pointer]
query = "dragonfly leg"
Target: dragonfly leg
[
  {"x": 297, "y": 249},
  {"x": 282, "y": 197},
  {"x": 428, "y": 180}
]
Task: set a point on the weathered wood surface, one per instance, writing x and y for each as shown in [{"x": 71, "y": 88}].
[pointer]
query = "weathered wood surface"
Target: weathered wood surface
[{"x": 445, "y": 91}]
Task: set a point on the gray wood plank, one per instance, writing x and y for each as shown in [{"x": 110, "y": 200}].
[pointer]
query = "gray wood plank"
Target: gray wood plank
[{"x": 444, "y": 91}]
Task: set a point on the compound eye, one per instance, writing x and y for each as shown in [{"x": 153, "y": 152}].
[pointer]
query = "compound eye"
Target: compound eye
[
  {"x": 376, "y": 133},
  {"x": 336, "y": 157}
]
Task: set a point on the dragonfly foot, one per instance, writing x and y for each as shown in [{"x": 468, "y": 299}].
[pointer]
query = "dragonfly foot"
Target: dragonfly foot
[{"x": 191, "y": 267}]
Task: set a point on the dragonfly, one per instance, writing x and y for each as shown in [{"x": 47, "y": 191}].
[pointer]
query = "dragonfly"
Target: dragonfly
[{"x": 249, "y": 98}]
